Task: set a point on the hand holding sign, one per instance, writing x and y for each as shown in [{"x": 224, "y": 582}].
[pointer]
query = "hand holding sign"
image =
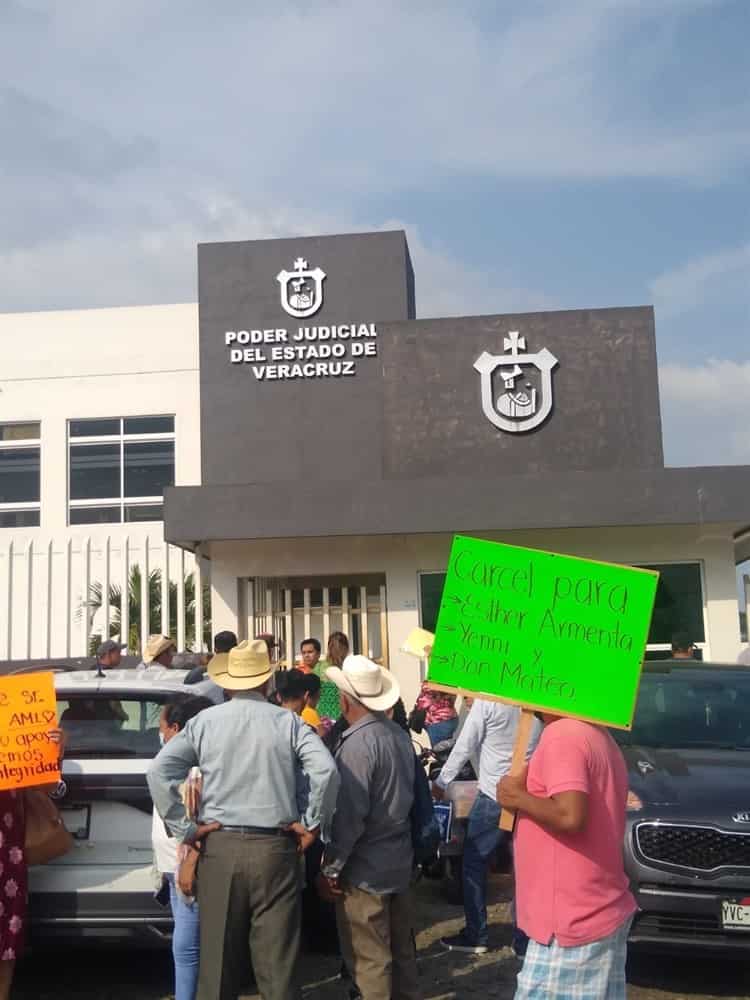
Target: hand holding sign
[
  {"x": 516, "y": 776},
  {"x": 510, "y": 789},
  {"x": 30, "y": 740}
]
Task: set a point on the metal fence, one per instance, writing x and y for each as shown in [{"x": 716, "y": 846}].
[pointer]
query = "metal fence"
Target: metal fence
[
  {"x": 294, "y": 609},
  {"x": 60, "y": 597}
]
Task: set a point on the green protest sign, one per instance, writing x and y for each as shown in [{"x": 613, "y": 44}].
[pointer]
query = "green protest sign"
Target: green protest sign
[{"x": 543, "y": 630}]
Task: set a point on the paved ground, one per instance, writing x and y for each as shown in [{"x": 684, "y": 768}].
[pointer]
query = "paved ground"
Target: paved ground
[{"x": 116, "y": 974}]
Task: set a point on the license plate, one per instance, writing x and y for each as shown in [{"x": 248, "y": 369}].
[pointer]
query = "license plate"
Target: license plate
[
  {"x": 77, "y": 821},
  {"x": 735, "y": 915}
]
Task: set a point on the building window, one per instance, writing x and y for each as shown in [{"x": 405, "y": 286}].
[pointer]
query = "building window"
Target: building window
[
  {"x": 118, "y": 469},
  {"x": 430, "y": 594},
  {"x": 20, "y": 463},
  {"x": 679, "y": 603},
  {"x": 678, "y": 606}
]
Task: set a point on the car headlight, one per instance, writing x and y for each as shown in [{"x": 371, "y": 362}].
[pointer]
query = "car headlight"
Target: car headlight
[{"x": 634, "y": 803}]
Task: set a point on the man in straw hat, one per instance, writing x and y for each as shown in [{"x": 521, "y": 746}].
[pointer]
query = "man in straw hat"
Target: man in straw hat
[
  {"x": 202, "y": 678},
  {"x": 255, "y": 760},
  {"x": 368, "y": 863},
  {"x": 159, "y": 653}
]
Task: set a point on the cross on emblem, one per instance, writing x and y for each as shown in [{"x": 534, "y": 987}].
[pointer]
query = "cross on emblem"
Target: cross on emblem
[
  {"x": 513, "y": 342},
  {"x": 300, "y": 264}
]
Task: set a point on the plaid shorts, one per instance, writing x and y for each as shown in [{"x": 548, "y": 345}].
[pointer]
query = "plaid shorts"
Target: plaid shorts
[{"x": 594, "y": 971}]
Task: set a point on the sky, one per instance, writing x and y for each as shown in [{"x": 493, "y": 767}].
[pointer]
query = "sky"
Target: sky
[{"x": 540, "y": 155}]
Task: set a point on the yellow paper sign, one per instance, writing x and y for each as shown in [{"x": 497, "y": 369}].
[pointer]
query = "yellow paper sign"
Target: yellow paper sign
[
  {"x": 28, "y": 710},
  {"x": 416, "y": 641}
]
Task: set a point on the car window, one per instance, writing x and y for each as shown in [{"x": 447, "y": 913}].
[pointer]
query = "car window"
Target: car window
[
  {"x": 681, "y": 710},
  {"x": 102, "y": 726}
]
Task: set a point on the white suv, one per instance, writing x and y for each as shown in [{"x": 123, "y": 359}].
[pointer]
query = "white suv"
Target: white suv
[{"x": 105, "y": 886}]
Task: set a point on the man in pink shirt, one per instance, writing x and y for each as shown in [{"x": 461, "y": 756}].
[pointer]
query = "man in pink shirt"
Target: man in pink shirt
[{"x": 572, "y": 895}]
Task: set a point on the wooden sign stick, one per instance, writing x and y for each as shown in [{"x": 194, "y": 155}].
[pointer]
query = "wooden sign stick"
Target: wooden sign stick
[{"x": 518, "y": 761}]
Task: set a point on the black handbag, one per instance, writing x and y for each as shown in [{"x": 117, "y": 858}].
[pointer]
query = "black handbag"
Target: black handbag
[{"x": 425, "y": 831}]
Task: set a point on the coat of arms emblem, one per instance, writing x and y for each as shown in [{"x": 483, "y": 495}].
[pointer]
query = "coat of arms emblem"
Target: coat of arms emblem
[
  {"x": 523, "y": 383},
  {"x": 301, "y": 289}
]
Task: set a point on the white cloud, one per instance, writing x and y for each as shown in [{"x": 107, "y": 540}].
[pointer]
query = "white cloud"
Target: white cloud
[
  {"x": 709, "y": 278},
  {"x": 152, "y": 260},
  {"x": 151, "y": 124},
  {"x": 704, "y": 413},
  {"x": 446, "y": 287},
  {"x": 158, "y": 263}
]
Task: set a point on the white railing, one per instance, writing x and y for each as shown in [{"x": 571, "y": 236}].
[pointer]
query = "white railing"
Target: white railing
[{"x": 58, "y": 595}]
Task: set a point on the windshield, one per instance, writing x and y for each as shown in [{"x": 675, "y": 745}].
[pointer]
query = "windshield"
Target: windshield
[
  {"x": 102, "y": 726},
  {"x": 686, "y": 710}
]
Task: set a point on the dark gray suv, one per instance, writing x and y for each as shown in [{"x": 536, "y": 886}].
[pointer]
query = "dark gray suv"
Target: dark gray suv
[{"x": 687, "y": 842}]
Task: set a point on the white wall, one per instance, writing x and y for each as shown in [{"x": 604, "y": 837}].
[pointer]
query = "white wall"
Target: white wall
[
  {"x": 403, "y": 557},
  {"x": 76, "y": 364}
]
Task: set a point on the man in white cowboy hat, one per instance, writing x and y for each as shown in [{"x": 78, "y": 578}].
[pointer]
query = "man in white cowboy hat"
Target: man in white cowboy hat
[
  {"x": 255, "y": 759},
  {"x": 368, "y": 863}
]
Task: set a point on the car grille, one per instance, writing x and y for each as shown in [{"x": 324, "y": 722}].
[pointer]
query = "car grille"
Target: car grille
[
  {"x": 699, "y": 848},
  {"x": 677, "y": 925}
]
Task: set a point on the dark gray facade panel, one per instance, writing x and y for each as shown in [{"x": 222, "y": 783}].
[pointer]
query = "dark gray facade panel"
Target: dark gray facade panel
[
  {"x": 288, "y": 431},
  {"x": 605, "y": 395},
  {"x": 413, "y": 441},
  {"x": 572, "y": 499}
]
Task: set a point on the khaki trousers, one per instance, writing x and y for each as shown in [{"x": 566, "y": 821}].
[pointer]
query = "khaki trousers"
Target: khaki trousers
[
  {"x": 377, "y": 944},
  {"x": 249, "y": 898}
]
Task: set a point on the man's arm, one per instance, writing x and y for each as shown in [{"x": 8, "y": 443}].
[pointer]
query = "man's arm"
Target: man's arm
[
  {"x": 563, "y": 812},
  {"x": 563, "y": 771},
  {"x": 467, "y": 744},
  {"x": 352, "y": 810},
  {"x": 168, "y": 770},
  {"x": 320, "y": 768}
]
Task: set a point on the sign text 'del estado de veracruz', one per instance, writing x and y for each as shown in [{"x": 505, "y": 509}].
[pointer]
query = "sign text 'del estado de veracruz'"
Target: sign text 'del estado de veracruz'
[{"x": 548, "y": 631}]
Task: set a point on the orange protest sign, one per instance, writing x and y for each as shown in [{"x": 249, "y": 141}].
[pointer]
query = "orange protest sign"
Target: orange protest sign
[{"x": 28, "y": 710}]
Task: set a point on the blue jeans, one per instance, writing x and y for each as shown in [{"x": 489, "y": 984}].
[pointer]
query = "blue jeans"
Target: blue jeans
[
  {"x": 483, "y": 836},
  {"x": 442, "y": 730},
  {"x": 185, "y": 943}
]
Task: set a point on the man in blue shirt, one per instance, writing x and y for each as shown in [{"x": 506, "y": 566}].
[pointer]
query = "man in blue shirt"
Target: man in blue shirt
[
  {"x": 490, "y": 731},
  {"x": 269, "y": 788}
]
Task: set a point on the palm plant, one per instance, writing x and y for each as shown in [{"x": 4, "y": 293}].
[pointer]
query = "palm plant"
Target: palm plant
[{"x": 134, "y": 640}]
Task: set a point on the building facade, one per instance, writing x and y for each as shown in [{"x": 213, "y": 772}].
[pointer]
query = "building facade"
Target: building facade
[
  {"x": 98, "y": 412},
  {"x": 326, "y": 445}
]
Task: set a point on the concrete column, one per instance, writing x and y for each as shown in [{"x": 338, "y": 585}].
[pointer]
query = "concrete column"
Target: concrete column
[
  {"x": 408, "y": 556},
  {"x": 54, "y": 484},
  {"x": 225, "y": 605},
  {"x": 723, "y": 633}
]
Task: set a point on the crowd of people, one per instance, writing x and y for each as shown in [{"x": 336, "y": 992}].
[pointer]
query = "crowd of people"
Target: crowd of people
[
  {"x": 237, "y": 864},
  {"x": 324, "y": 830},
  {"x": 275, "y": 813}
]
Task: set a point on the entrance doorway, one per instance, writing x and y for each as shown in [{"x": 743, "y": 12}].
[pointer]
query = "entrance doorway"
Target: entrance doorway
[{"x": 296, "y": 608}]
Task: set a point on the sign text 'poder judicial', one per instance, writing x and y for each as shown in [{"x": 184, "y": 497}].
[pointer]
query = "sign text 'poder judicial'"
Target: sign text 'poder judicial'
[
  {"x": 308, "y": 352},
  {"x": 28, "y": 711},
  {"x": 543, "y": 630}
]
